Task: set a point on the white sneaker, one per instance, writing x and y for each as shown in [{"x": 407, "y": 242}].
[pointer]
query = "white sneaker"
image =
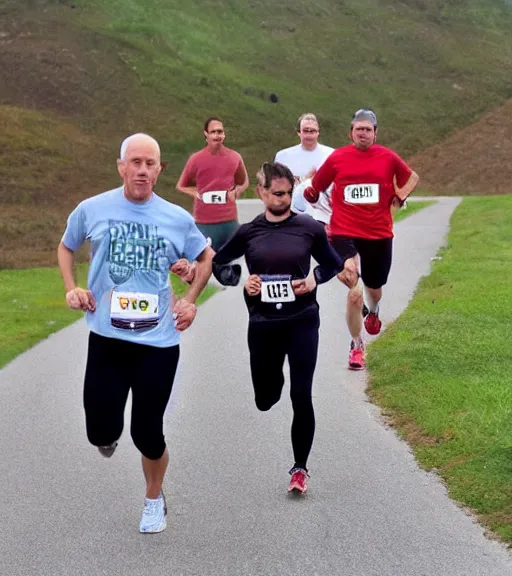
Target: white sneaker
[{"x": 154, "y": 516}]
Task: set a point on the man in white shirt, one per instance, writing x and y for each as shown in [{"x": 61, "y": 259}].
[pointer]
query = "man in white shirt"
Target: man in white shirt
[{"x": 304, "y": 160}]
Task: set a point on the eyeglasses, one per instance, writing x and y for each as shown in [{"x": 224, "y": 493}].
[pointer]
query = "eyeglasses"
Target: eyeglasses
[{"x": 309, "y": 130}]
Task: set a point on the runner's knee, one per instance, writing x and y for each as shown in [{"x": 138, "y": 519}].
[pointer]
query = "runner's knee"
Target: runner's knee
[
  {"x": 268, "y": 396},
  {"x": 355, "y": 298},
  {"x": 102, "y": 435},
  {"x": 302, "y": 400},
  {"x": 265, "y": 404},
  {"x": 150, "y": 444}
]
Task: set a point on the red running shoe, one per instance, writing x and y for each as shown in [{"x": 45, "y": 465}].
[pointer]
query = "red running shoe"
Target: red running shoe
[
  {"x": 372, "y": 323},
  {"x": 356, "y": 357},
  {"x": 299, "y": 481}
]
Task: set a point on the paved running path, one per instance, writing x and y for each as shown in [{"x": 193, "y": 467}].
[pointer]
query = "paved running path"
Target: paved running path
[{"x": 370, "y": 511}]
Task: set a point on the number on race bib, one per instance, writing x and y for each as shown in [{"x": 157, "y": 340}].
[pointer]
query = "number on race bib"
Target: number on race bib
[
  {"x": 362, "y": 193},
  {"x": 215, "y": 197},
  {"x": 277, "y": 291}
]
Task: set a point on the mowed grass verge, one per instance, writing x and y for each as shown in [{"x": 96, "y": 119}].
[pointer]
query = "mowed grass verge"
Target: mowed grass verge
[
  {"x": 412, "y": 207},
  {"x": 441, "y": 372},
  {"x": 33, "y": 306}
]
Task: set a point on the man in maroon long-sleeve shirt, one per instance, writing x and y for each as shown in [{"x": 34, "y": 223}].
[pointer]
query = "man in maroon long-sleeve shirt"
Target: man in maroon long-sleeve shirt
[{"x": 369, "y": 179}]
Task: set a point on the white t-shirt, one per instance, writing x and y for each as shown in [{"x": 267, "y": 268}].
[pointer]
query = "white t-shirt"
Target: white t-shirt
[{"x": 300, "y": 162}]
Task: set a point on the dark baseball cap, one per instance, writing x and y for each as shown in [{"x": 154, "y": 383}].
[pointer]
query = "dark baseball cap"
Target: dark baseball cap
[{"x": 365, "y": 114}]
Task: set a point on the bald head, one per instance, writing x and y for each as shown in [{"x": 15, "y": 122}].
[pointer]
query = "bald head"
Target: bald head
[
  {"x": 139, "y": 166},
  {"x": 138, "y": 139}
]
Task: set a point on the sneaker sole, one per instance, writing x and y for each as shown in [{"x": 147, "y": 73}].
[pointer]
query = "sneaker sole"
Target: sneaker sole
[
  {"x": 107, "y": 452},
  {"x": 374, "y": 333},
  {"x": 161, "y": 529},
  {"x": 296, "y": 488},
  {"x": 355, "y": 368}
]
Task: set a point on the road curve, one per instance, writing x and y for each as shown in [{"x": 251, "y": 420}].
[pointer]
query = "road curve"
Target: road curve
[{"x": 370, "y": 510}]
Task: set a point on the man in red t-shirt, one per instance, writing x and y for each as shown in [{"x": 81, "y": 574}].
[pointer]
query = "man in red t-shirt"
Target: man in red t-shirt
[
  {"x": 215, "y": 177},
  {"x": 369, "y": 180}
]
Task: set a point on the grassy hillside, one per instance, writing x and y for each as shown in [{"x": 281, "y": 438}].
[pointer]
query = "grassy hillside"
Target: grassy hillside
[
  {"x": 473, "y": 160},
  {"x": 79, "y": 75}
]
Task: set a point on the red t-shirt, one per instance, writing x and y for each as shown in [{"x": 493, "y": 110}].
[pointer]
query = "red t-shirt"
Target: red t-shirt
[
  {"x": 210, "y": 173},
  {"x": 363, "y": 191}
]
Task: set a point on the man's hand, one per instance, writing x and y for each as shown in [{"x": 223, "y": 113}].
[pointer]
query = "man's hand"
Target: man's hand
[
  {"x": 80, "y": 299},
  {"x": 311, "y": 173},
  {"x": 232, "y": 194},
  {"x": 349, "y": 275},
  {"x": 184, "y": 313},
  {"x": 304, "y": 285},
  {"x": 311, "y": 195},
  {"x": 253, "y": 285},
  {"x": 184, "y": 269},
  {"x": 396, "y": 203}
]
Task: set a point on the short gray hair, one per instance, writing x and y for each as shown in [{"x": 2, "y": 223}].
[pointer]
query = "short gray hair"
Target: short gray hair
[{"x": 127, "y": 141}]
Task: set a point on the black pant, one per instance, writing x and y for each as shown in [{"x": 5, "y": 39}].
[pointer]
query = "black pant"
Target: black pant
[
  {"x": 269, "y": 343},
  {"x": 113, "y": 368}
]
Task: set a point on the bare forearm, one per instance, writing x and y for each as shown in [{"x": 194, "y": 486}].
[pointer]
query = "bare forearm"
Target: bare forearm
[
  {"x": 408, "y": 188},
  {"x": 241, "y": 188},
  {"x": 188, "y": 190},
  {"x": 66, "y": 259},
  {"x": 202, "y": 275}
]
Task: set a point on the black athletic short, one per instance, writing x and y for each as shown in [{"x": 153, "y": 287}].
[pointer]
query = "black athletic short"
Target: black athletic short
[
  {"x": 114, "y": 367},
  {"x": 375, "y": 257}
]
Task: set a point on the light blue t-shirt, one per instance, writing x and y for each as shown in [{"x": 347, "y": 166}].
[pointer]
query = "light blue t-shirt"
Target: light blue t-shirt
[{"x": 132, "y": 248}]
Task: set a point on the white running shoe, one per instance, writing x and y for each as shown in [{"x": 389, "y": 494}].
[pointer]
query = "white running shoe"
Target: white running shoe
[{"x": 154, "y": 516}]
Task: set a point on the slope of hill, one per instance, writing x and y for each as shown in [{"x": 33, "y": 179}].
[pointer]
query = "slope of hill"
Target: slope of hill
[
  {"x": 79, "y": 75},
  {"x": 473, "y": 160}
]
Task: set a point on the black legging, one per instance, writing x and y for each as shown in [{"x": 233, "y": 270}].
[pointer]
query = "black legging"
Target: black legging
[{"x": 269, "y": 343}]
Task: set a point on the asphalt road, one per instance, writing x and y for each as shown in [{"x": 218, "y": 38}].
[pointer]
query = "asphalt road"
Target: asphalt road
[{"x": 370, "y": 510}]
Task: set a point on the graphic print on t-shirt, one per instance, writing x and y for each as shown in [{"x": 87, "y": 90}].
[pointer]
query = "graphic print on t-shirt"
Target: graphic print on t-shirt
[{"x": 135, "y": 246}]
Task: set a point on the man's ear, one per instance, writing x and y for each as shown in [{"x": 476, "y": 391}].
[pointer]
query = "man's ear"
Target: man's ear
[{"x": 121, "y": 168}]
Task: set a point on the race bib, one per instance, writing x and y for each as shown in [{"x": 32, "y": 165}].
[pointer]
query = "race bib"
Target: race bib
[
  {"x": 215, "y": 197},
  {"x": 362, "y": 193},
  {"x": 277, "y": 289},
  {"x": 133, "y": 310}
]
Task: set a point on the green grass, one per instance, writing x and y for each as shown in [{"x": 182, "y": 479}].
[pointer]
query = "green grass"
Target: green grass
[
  {"x": 442, "y": 373},
  {"x": 95, "y": 71},
  {"x": 413, "y": 206},
  {"x": 33, "y": 307}
]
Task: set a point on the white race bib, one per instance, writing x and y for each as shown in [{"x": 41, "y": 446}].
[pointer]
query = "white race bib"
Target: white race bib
[
  {"x": 133, "y": 310},
  {"x": 215, "y": 197},
  {"x": 362, "y": 193},
  {"x": 276, "y": 290}
]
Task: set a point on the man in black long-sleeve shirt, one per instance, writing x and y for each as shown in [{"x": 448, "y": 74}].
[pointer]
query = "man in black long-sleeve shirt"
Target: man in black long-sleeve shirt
[{"x": 281, "y": 299}]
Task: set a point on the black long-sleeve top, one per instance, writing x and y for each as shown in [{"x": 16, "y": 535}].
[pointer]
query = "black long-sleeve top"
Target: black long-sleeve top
[{"x": 279, "y": 248}]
